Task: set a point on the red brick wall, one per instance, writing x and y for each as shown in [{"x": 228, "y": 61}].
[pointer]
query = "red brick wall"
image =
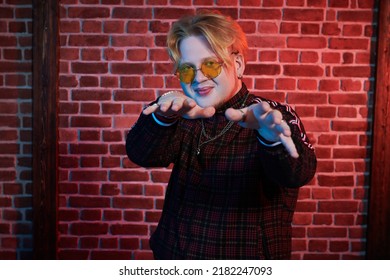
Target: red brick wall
[
  {"x": 314, "y": 54},
  {"x": 15, "y": 129}
]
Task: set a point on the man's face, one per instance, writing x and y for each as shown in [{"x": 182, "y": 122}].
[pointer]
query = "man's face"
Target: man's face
[{"x": 207, "y": 91}]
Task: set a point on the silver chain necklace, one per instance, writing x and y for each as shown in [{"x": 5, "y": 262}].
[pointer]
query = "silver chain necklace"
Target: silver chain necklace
[{"x": 224, "y": 130}]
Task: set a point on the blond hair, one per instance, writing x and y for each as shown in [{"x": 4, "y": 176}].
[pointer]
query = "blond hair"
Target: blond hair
[{"x": 223, "y": 34}]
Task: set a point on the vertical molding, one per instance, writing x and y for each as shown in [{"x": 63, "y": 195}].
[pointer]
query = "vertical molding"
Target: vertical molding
[
  {"x": 45, "y": 88},
  {"x": 378, "y": 231}
]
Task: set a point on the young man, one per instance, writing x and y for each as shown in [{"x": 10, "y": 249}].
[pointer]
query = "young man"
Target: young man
[{"x": 239, "y": 160}]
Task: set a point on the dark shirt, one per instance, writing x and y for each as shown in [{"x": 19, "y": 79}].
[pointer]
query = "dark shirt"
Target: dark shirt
[{"x": 233, "y": 200}]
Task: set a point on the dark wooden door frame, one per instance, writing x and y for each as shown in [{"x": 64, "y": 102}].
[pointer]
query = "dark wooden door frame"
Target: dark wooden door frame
[
  {"x": 378, "y": 231},
  {"x": 45, "y": 151}
]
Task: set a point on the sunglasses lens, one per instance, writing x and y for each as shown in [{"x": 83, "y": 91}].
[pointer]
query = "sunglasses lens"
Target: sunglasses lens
[
  {"x": 211, "y": 68},
  {"x": 186, "y": 73}
]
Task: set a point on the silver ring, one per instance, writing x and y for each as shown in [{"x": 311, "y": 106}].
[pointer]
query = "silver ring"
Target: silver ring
[{"x": 243, "y": 119}]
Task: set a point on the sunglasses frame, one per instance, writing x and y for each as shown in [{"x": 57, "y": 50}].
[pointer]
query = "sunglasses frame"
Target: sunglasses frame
[{"x": 220, "y": 63}]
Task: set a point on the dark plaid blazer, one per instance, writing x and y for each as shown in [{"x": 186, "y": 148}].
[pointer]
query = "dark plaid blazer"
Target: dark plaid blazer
[{"x": 236, "y": 199}]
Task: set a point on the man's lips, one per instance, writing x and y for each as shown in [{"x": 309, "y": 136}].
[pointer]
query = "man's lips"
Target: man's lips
[{"x": 203, "y": 91}]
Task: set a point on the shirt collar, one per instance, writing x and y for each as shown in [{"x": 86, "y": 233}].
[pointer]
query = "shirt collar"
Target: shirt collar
[{"x": 235, "y": 101}]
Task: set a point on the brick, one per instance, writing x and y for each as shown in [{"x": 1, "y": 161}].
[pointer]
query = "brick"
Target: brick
[
  {"x": 128, "y": 176},
  {"x": 289, "y": 28},
  {"x": 110, "y": 162},
  {"x": 91, "y": 202},
  {"x": 129, "y": 229},
  {"x": 322, "y": 219},
  {"x": 86, "y": 12},
  {"x": 260, "y": 14},
  {"x": 302, "y": 219},
  {"x": 306, "y": 98},
  {"x": 112, "y": 136},
  {"x": 131, "y": 68},
  {"x": 339, "y": 3},
  {"x": 133, "y": 202},
  {"x": 89, "y": 67},
  {"x": 113, "y": 27},
  {"x": 326, "y": 232},
  {"x": 351, "y": 85},
  {"x": 134, "y": 95},
  {"x": 262, "y": 69},
  {"x": 89, "y": 228},
  {"x": 355, "y": 16},
  {"x": 316, "y": 3},
  {"x": 298, "y": 245},
  {"x": 321, "y": 193},
  {"x": 134, "y": 40},
  {"x": 108, "y": 82},
  {"x": 318, "y": 245},
  {"x": 306, "y": 42},
  {"x": 131, "y": 13},
  {"x": 154, "y": 190},
  {"x": 112, "y": 215},
  {"x": 350, "y": 126},
  {"x": 142, "y": 27},
  {"x": 350, "y": 153},
  {"x": 88, "y": 40},
  {"x": 338, "y": 246},
  {"x": 336, "y": 181},
  {"x": 92, "y": 95},
  {"x": 113, "y": 54},
  {"x": 331, "y": 29},
  {"x": 91, "y": 122},
  {"x": 267, "y": 41},
  {"x": 352, "y": 71},
  {"x": 129, "y": 243},
  {"x": 347, "y": 112},
  {"x": 91, "y": 215},
  {"x": 89, "y": 175},
  {"x": 329, "y": 85},
  {"x": 307, "y": 84},
  {"x": 352, "y": 30},
  {"x": 89, "y": 242},
  {"x": 309, "y": 57},
  {"x": 73, "y": 254},
  {"x": 303, "y": 14},
  {"x": 267, "y": 28},
  {"x": 152, "y": 216},
  {"x": 348, "y": 44},
  {"x": 344, "y": 166},
  {"x": 264, "y": 84},
  {"x": 160, "y": 176},
  {"x": 268, "y": 56},
  {"x": 303, "y": 70},
  {"x": 321, "y": 256}
]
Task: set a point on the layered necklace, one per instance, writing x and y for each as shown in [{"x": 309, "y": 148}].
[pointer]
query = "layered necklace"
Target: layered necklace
[{"x": 224, "y": 130}]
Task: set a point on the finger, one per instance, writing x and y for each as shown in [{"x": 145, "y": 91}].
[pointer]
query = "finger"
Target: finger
[
  {"x": 283, "y": 128},
  {"x": 189, "y": 103},
  {"x": 289, "y": 145},
  {"x": 150, "y": 109},
  {"x": 206, "y": 112},
  {"x": 236, "y": 115},
  {"x": 273, "y": 117},
  {"x": 261, "y": 109},
  {"x": 177, "y": 104},
  {"x": 165, "y": 106}
]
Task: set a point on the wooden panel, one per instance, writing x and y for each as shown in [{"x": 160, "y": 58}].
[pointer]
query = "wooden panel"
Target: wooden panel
[
  {"x": 45, "y": 88},
  {"x": 378, "y": 233}
]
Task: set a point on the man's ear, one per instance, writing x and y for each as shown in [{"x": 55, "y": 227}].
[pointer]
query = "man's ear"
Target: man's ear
[{"x": 239, "y": 63}]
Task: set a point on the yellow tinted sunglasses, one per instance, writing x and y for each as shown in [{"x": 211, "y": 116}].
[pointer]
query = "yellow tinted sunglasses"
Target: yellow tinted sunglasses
[{"x": 210, "y": 68}]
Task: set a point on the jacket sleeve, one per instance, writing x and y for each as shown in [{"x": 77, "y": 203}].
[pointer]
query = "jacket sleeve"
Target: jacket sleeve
[
  {"x": 283, "y": 169},
  {"x": 149, "y": 144}
]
